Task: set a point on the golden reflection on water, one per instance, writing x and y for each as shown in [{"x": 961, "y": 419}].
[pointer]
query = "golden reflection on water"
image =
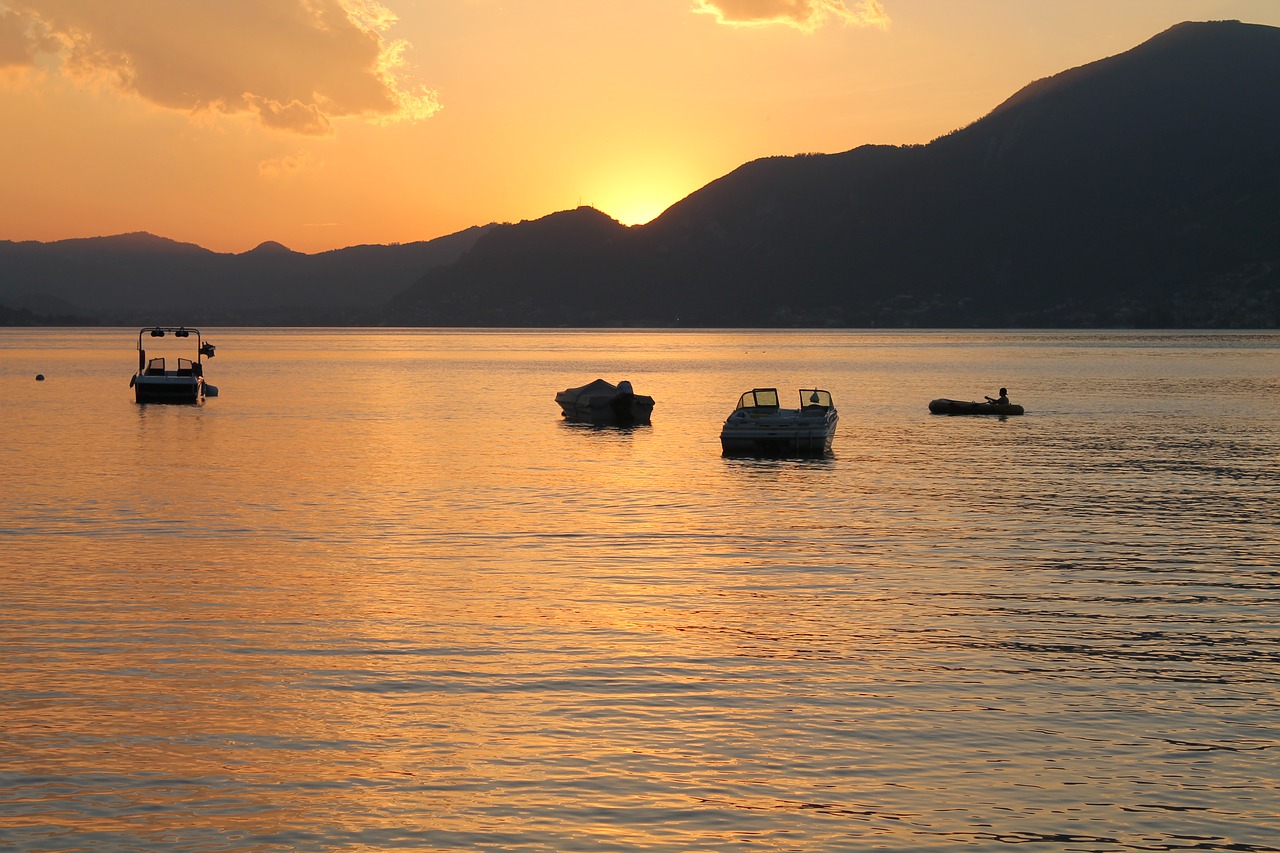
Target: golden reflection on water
[{"x": 376, "y": 595}]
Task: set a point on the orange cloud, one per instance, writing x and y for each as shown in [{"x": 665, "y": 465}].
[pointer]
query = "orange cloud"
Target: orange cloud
[
  {"x": 294, "y": 65},
  {"x": 806, "y": 15},
  {"x": 20, "y": 42},
  {"x": 295, "y": 115},
  {"x": 285, "y": 167}
]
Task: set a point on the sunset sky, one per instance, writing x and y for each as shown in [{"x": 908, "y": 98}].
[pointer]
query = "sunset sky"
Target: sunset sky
[{"x": 328, "y": 123}]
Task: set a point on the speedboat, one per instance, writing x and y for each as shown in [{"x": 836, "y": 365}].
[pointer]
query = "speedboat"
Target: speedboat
[
  {"x": 602, "y": 402},
  {"x": 156, "y": 383},
  {"x": 962, "y": 407},
  {"x": 759, "y": 426}
]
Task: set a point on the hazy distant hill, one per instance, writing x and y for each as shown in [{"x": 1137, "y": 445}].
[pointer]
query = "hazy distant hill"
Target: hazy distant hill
[
  {"x": 140, "y": 279},
  {"x": 1143, "y": 190}
]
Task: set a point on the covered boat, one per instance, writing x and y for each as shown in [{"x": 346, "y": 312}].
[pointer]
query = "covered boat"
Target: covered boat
[
  {"x": 759, "y": 426},
  {"x": 962, "y": 407},
  {"x": 602, "y": 402},
  {"x": 156, "y": 382}
]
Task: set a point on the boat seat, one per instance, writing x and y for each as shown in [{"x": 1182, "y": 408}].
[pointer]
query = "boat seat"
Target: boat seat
[{"x": 155, "y": 367}]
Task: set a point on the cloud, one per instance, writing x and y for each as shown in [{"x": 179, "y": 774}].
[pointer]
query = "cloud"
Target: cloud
[
  {"x": 294, "y": 65},
  {"x": 19, "y": 44},
  {"x": 287, "y": 167},
  {"x": 806, "y": 15},
  {"x": 295, "y": 115}
]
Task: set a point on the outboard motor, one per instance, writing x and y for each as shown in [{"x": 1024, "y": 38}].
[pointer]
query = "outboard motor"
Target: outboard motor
[{"x": 622, "y": 403}]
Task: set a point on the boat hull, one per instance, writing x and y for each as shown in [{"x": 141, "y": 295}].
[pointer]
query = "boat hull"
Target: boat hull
[
  {"x": 778, "y": 436},
  {"x": 168, "y": 389},
  {"x": 962, "y": 407},
  {"x": 618, "y": 410}
]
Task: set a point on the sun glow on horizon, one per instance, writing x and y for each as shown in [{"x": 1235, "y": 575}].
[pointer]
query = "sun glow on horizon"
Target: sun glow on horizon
[
  {"x": 639, "y": 193},
  {"x": 637, "y": 211}
]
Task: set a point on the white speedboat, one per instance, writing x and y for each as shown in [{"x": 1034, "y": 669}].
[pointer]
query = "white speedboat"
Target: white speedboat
[
  {"x": 156, "y": 382},
  {"x": 759, "y": 426},
  {"x": 602, "y": 402}
]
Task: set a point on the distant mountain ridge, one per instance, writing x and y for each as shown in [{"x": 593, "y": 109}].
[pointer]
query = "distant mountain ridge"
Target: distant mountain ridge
[
  {"x": 140, "y": 279},
  {"x": 1141, "y": 190}
]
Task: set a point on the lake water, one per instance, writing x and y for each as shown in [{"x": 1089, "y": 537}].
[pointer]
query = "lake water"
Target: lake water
[{"x": 377, "y": 596}]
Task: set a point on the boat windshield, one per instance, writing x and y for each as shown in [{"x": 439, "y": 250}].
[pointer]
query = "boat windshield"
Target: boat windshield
[
  {"x": 813, "y": 398},
  {"x": 759, "y": 398}
]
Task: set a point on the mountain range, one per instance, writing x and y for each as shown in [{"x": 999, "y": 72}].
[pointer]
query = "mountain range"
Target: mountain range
[
  {"x": 142, "y": 279},
  {"x": 1141, "y": 190}
]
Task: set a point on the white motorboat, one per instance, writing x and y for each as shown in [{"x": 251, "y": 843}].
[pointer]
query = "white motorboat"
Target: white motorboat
[
  {"x": 759, "y": 426},
  {"x": 602, "y": 402},
  {"x": 155, "y": 382}
]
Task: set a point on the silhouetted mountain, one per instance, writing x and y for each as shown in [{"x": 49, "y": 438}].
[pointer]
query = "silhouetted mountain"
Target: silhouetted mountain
[
  {"x": 271, "y": 247},
  {"x": 1139, "y": 190},
  {"x": 139, "y": 279},
  {"x": 514, "y": 272}
]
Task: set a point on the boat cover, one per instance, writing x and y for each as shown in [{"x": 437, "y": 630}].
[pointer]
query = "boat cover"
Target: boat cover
[{"x": 598, "y": 388}]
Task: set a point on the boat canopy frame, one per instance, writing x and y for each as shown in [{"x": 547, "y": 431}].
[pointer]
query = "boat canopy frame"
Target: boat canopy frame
[{"x": 202, "y": 349}]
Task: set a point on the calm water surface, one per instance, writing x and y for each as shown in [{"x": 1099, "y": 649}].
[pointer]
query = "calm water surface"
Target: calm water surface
[{"x": 376, "y": 596}]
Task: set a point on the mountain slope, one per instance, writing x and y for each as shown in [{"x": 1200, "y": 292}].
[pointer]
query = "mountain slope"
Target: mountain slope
[
  {"x": 139, "y": 279},
  {"x": 1142, "y": 189}
]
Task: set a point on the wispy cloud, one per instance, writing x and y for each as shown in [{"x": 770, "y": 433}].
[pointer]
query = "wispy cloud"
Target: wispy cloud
[
  {"x": 806, "y": 15},
  {"x": 294, "y": 65},
  {"x": 287, "y": 167},
  {"x": 20, "y": 42}
]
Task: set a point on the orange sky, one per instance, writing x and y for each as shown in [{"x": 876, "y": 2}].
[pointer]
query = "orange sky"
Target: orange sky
[{"x": 329, "y": 123}]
